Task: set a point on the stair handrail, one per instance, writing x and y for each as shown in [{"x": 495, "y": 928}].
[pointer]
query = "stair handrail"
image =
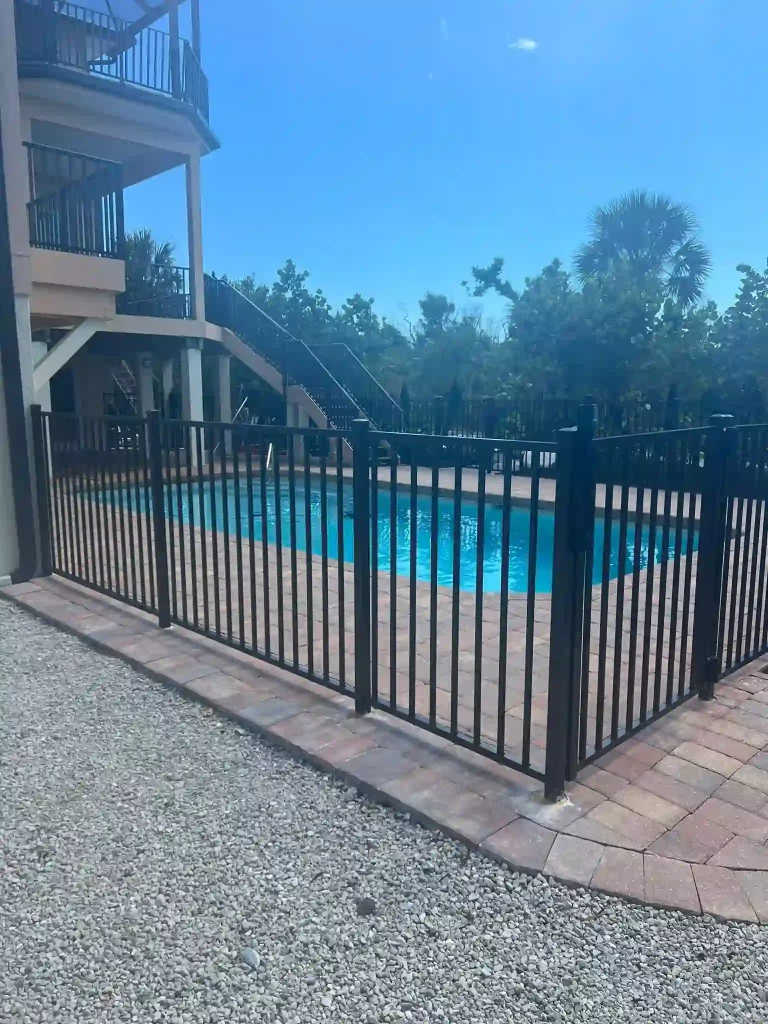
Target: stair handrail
[
  {"x": 304, "y": 349},
  {"x": 371, "y": 380}
]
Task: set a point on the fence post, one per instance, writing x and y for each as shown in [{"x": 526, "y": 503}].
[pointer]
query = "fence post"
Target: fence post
[
  {"x": 439, "y": 415},
  {"x": 490, "y": 418},
  {"x": 574, "y": 527},
  {"x": 162, "y": 587},
  {"x": 42, "y": 490},
  {"x": 362, "y": 562},
  {"x": 405, "y": 405},
  {"x": 713, "y": 532},
  {"x": 672, "y": 413}
]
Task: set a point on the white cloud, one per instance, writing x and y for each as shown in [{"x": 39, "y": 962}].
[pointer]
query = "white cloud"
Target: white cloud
[{"x": 523, "y": 43}]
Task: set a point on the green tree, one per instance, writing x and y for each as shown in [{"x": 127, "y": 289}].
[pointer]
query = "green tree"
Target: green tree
[
  {"x": 154, "y": 286},
  {"x": 741, "y": 342},
  {"x": 654, "y": 236}
]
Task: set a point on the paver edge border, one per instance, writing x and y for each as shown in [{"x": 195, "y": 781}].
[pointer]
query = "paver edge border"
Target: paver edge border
[{"x": 367, "y": 789}]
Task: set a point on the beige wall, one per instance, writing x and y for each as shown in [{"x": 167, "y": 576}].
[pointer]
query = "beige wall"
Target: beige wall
[
  {"x": 67, "y": 285},
  {"x": 91, "y": 378}
]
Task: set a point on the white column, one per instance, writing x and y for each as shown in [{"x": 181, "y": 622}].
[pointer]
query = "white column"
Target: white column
[
  {"x": 43, "y": 394},
  {"x": 145, "y": 391},
  {"x": 223, "y": 398},
  {"x": 167, "y": 383},
  {"x": 192, "y": 390},
  {"x": 195, "y": 236},
  {"x": 296, "y": 416}
]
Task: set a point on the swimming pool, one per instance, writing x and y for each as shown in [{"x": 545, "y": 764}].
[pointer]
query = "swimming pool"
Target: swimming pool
[{"x": 214, "y": 503}]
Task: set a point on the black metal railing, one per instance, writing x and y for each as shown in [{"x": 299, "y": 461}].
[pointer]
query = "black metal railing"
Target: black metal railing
[
  {"x": 99, "y": 44},
  {"x": 537, "y": 623},
  {"x": 743, "y": 525},
  {"x": 155, "y": 289},
  {"x": 194, "y": 82},
  {"x": 298, "y": 364},
  {"x": 379, "y": 406},
  {"x": 76, "y": 202},
  {"x": 535, "y": 419}
]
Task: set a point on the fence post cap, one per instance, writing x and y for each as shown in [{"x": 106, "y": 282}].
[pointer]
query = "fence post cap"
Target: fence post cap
[{"x": 721, "y": 419}]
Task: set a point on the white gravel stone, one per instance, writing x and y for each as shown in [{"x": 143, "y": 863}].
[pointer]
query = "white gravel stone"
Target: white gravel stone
[{"x": 145, "y": 843}]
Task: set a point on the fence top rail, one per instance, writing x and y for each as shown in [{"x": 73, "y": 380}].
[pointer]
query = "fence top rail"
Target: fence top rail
[
  {"x": 101, "y": 160},
  {"x": 456, "y": 440},
  {"x": 745, "y": 427},
  {"x": 264, "y": 429},
  {"x": 73, "y": 417},
  {"x": 652, "y": 436}
]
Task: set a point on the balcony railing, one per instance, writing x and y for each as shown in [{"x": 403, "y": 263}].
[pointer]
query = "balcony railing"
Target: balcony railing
[
  {"x": 75, "y": 204},
  {"x": 156, "y": 289},
  {"x": 99, "y": 44}
]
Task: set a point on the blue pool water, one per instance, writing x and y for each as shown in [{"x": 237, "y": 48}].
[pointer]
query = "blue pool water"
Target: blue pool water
[{"x": 519, "y": 546}]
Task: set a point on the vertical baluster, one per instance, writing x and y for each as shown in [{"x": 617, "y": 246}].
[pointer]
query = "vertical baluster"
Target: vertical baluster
[
  {"x": 456, "y": 589},
  {"x": 308, "y": 558},
  {"x": 530, "y": 613},
  {"x": 506, "y": 516},
  {"x": 412, "y": 592},
  {"x": 279, "y": 555}
]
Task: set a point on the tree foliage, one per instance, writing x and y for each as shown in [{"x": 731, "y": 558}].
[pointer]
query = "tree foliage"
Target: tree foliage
[
  {"x": 627, "y": 325},
  {"x": 653, "y": 236}
]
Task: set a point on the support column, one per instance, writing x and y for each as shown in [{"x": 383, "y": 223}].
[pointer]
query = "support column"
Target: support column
[
  {"x": 43, "y": 394},
  {"x": 223, "y": 398},
  {"x": 145, "y": 391},
  {"x": 195, "y": 236},
  {"x": 167, "y": 373},
  {"x": 192, "y": 391},
  {"x": 296, "y": 416}
]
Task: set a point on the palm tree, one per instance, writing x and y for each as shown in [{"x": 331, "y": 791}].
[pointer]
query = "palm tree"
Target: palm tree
[
  {"x": 651, "y": 232},
  {"x": 154, "y": 285}
]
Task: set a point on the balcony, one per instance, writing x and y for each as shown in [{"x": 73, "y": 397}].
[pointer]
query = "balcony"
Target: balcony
[
  {"x": 103, "y": 48},
  {"x": 75, "y": 203},
  {"x": 156, "y": 289}
]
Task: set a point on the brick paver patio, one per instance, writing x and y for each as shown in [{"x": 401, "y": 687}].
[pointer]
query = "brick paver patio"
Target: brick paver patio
[
  {"x": 318, "y": 616},
  {"x": 677, "y": 818}
]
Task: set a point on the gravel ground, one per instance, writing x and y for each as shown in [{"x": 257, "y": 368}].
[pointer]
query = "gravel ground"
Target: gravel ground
[{"x": 146, "y": 845}]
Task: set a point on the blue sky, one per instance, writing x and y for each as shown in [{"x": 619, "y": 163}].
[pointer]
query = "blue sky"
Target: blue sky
[{"x": 389, "y": 146}]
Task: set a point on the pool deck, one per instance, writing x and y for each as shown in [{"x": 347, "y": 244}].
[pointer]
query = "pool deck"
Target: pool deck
[
  {"x": 520, "y": 489},
  {"x": 677, "y": 818}
]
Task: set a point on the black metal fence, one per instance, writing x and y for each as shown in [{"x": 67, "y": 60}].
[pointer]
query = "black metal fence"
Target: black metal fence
[
  {"x": 538, "y": 622},
  {"x": 537, "y": 419},
  {"x": 156, "y": 289},
  {"x": 98, "y": 43}
]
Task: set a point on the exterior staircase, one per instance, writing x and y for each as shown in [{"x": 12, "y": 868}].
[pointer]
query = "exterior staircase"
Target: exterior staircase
[
  {"x": 124, "y": 398},
  {"x": 377, "y": 403},
  {"x": 298, "y": 363}
]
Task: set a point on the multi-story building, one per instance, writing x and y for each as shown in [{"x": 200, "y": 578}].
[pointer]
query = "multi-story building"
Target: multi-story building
[{"x": 94, "y": 98}]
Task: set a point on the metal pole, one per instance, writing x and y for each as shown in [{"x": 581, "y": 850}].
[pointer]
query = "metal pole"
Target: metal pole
[
  {"x": 362, "y": 562},
  {"x": 174, "y": 51},
  {"x": 42, "y": 486},
  {"x": 162, "y": 587},
  {"x": 574, "y": 528},
  {"x": 713, "y": 533},
  {"x": 196, "y": 27}
]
